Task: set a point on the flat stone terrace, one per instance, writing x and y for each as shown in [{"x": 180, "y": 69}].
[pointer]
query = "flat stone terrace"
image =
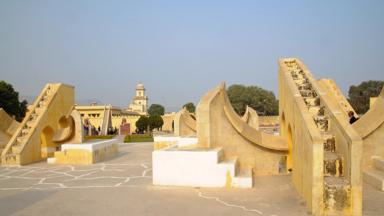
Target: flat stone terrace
[{"x": 123, "y": 186}]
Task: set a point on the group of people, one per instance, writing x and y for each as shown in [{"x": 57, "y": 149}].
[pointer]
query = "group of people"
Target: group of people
[{"x": 91, "y": 130}]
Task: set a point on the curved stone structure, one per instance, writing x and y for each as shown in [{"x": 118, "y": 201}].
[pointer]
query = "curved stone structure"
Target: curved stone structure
[
  {"x": 218, "y": 125},
  {"x": 71, "y": 129},
  {"x": 185, "y": 123},
  {"x": 47, "y": 119},
  {"x": 8, "y": 127},
  {"x": 251, "y": 117},
  {"x": 370, "y": 127}
]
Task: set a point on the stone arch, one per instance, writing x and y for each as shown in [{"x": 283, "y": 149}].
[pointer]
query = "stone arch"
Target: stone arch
[{"x": 47, "y": 146}]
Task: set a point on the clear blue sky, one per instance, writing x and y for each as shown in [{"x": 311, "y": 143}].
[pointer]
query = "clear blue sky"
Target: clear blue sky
[{"x": 181, "y": 49}]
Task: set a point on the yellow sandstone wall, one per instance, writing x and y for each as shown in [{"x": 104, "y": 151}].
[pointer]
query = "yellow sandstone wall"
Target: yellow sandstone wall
[
  {"x": 168, "y": 120},
  {"x": 306, "y": 143},
  {"x": 370, "y": 127},
  {"x": 184, "y": 124},
  {"x": 37, "y": 144},
  {"x": 219, "y": 126}
]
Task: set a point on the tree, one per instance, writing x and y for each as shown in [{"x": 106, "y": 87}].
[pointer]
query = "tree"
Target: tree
[
  {"x": 142, "y": 124},
  {"x": 9, "y": 101},
  {"x": 263, "y": 101},
  {"x": 359, "y": 95},
  {"x": 156, "y": 109},
  {"x": 154, "y": 122},
  {"x": 190, "y": 107}
]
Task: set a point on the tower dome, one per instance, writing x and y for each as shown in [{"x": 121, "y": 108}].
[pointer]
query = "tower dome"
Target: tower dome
[{"x": 140, "y": 86}]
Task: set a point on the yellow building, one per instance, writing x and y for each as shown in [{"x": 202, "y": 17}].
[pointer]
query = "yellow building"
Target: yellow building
[{"x": 106, "y": 116}]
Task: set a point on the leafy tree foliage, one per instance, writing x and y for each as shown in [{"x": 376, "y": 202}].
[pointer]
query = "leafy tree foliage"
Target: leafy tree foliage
[
  {"x": 190, "y": 107},
  {"x": 156, "y": 109},
  {"x": 263, "y": 101},
  {"x": 142, "y": 124},
  {"x": 9, "y": 101},
  {"x": 359, "y": 95},
  {"x": 155, "y": 122}
]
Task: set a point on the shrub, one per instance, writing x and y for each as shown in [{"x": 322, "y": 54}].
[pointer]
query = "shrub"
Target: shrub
[
  {"x": 138, "y": 138},
  {"x": 99, "y": 137}
]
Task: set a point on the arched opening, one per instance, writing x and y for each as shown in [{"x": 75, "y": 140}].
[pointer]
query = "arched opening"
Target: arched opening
[
  {"x": 47, "y": 146},
  {"x": 290, "y": 148}
]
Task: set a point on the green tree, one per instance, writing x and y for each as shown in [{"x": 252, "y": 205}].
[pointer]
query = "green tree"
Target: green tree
[
  {"x": 190, "y": 107},
  {"x": 9, "y": 101},
  {"x": 359, "y": 95},
  {"x": 155, "y": 122},
  {"x": 263, "y": 101},
  {"x": 142, "y": 124},
  {"x": 156, "y": 109}
]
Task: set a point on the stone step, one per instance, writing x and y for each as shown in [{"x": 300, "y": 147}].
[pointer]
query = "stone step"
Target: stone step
[
  {"x": 230, "y": 164},
  {"x": 244, "y": 179},
  {"x": 322, "y": 122},
  {"x": 306, "y": 86},
  {"x": 333, "y": 164},
  {"x": 16, "y": 148},
  {"x": 24, "y": 131},
  {"x": 311, "y": 101},
  {"x": 330, "y": 144},
  {"x": 11, "y": 158},
  {"x": 374, "y": 177},
  {"x": 20, "y": 139},
  {"x": 30, "y": 123},
  {"x": 308, "y": 93},
  {"x": 378, "y": 163},
  {"x": 336, "y": 193}
]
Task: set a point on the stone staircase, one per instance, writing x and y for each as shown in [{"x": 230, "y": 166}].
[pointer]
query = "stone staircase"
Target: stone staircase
[
  {"x": 375, "y": 175},
  {"x": 336, "y": 186},
  {"x": 11, "y": 153},
  {"x": 198, "y": 168}
]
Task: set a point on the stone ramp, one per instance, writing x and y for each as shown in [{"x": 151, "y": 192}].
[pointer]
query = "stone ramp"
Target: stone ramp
[
  {"x": 325, "y": 151},
  {"x": 33, "y": 139}
]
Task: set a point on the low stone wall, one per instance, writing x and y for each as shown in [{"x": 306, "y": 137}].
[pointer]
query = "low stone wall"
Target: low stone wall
[{"x": 86, "y": 153}]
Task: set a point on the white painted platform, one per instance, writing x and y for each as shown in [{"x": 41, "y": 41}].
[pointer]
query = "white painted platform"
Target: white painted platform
[
  {"x": 89, "y": 146},
  {"x": 196, "y": 168}
]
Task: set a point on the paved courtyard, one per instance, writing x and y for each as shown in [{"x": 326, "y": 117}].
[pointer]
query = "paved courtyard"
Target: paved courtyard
[{"x": 123, "y": 186}]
